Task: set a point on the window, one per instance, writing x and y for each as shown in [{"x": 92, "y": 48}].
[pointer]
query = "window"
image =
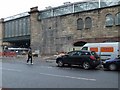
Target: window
[
  {"x": 6, "y": 30},
  {"x": 88, "y": 23},
  {"x": 85, "y": 53},
  {"x": 117, "y": 19},
  {"x": 80, "y": 24},
  {"x": 75, "y": 54},
  {"x": 109, "y": 20},
  {"x": 84, "y": 48}
]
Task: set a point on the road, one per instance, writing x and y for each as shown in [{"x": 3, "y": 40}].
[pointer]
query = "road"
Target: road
[{"x": 42, "y": 74}]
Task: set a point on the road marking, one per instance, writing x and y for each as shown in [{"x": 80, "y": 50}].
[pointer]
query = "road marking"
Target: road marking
[
  {"x": 54, "y": 75},
  {"x": 45, "y": 67},
  {"x": 10, "y": 69},
  {"x": 79, "y": 78}
]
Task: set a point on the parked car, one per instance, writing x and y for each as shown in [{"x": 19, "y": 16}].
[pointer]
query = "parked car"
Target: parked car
[
  {"x": 112, "y": 64},
  {"x": 84, "y": 58}
]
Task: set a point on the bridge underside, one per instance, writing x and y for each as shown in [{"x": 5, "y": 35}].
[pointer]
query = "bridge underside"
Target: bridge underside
[{"x": 21, "y": 41}]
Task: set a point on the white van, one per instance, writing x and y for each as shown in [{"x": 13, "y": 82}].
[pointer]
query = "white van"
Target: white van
[{"x": 104, "y": 50}]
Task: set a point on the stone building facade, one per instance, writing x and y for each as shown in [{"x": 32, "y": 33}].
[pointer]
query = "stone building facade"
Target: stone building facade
[
  {"x": 64, "y": 32},
  {"x": 1, "y": 35},
  {"x": 60, "y": 33}
]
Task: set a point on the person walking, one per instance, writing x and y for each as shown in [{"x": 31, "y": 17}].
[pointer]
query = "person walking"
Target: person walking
[{"x": 29, "y": 56}]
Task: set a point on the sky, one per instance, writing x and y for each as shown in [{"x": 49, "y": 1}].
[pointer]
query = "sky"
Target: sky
[{"x": 12, "y": 7}]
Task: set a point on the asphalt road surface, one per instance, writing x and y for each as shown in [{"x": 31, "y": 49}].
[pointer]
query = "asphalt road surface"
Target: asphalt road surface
[{"x": 17, "y": 74}]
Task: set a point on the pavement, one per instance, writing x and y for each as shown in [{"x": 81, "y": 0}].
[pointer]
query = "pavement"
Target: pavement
[{"x": 51, "y": 58}]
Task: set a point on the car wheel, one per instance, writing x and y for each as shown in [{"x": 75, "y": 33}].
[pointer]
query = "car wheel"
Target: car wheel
[
  {"x": 86, "y": 65},
  {"x": 60, "y": 63},
  {"x": 112, "y": 67}
]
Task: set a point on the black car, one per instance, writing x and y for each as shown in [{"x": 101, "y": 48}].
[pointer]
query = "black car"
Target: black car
[
  {"x": 86, "y": 59},
  {"x": 112, "y": 64}
]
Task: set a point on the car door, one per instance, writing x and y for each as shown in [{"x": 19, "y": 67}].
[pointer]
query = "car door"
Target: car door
[
  {"x": 72, "y": 57},
  {"x": 75, "y": 57},
  {"x": 83, "y": 57},
  {"x": 68, "y": 59}
]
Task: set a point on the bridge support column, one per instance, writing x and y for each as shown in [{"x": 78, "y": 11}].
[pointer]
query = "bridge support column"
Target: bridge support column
[{"x": 36, "y": 40}]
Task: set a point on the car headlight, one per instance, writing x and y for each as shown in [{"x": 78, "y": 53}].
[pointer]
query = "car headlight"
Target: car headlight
[{"x": 104, "y": 62}]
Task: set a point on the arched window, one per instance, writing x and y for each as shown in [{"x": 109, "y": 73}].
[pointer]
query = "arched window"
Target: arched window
[
  {"x": 88, "y": 22},
  {"x": 109, "y": 20},
  {"x": 80, "y": 24},
  {"x": 117, "y": 19}
]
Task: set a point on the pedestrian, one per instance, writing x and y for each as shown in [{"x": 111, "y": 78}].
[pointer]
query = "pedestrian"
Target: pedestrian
[{"x": 29, "y": 55}]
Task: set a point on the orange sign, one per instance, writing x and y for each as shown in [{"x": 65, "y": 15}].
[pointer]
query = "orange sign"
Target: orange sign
[
  {"x": 107, "y": 49},
  {"x": 94, "y": 49}
]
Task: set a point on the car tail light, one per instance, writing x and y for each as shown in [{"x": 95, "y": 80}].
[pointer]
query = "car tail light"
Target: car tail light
[{"x": 92, "y": 57}]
